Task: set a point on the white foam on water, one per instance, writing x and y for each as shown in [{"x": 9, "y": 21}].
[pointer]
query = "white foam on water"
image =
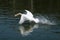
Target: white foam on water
[{"x": 45, "y": 20}]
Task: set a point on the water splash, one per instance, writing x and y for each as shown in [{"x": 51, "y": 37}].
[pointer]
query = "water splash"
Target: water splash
[{"x": 46, "y": 20}]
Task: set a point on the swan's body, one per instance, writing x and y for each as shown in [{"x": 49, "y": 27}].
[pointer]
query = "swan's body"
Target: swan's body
[{"x": 27, "y": 16}]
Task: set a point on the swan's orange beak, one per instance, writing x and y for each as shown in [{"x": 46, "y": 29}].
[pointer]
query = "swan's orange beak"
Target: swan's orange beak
[{"x": 17, "y": 14}]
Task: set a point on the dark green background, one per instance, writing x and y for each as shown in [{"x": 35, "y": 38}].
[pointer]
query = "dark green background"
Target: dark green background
[{"x": 41, "y": 6}]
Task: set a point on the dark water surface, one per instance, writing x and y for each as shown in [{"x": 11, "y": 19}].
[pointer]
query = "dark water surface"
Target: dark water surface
[{"x": 11, "y": 30}]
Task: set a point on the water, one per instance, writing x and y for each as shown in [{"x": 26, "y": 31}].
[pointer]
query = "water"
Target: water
[{"x": 11, "y": 30}]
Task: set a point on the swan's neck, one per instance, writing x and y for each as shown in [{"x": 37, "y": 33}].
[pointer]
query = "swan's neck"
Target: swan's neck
[{"x": 18, "y": 14}]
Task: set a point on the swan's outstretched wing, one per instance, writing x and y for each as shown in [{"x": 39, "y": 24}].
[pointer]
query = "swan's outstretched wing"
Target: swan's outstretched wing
[
  {"x": 22, "y": 20},
  {"x": 29, "y": 13}
]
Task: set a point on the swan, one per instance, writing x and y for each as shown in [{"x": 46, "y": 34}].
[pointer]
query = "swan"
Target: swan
[{"x": 28, "y": 16}]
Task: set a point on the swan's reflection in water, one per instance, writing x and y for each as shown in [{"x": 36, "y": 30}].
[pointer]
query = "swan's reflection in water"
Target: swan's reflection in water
[{"x": 27, "y": 29}]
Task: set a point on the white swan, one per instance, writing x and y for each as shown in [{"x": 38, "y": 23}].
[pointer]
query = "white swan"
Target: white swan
[{"x": 27, "y": 16}]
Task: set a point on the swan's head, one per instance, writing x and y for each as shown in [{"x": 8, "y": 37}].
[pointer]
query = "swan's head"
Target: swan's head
[{"x": 18, "y": 14}]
